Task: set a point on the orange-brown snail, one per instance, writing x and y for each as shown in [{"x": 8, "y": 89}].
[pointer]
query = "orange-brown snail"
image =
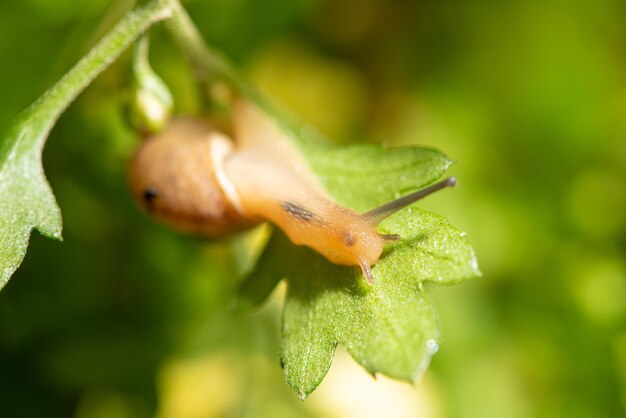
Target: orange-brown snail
[{"x": 195, "y": 178}]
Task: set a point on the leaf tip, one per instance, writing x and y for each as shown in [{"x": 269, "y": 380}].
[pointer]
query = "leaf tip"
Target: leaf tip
[
  {"x": 54, "y": 232},
  {"x": 301, "y": 390},
  {"x": 302, "y": 395}
]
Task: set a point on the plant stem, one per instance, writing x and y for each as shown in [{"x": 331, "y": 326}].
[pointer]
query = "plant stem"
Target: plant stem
[
  {"x": 208, "y": 63},
  {"x": 211, "y": 65},
  {"x": 141, "y": 59},
  {"x": 58, "y": 97}
]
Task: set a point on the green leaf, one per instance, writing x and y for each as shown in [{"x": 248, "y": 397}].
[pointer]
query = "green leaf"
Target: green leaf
[
  {"x": 390, "y": 327},
  {"x": 364, "y": 176},
  {"x": 26, "y": 200}
]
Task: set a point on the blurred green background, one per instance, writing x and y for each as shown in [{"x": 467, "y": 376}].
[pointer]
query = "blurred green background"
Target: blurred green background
[{"x": 126, "y": 319}]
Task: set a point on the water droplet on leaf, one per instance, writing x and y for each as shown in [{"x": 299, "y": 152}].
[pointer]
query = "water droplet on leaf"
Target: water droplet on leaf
[{"x": 432, "y": 347}]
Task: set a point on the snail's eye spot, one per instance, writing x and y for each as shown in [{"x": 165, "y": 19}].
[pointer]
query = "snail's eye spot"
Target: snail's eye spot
[
  {"x": 149, "y": 195},
  {"x": 348, "y": 238}
]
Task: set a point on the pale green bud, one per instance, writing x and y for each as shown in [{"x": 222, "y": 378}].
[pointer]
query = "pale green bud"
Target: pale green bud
[{"x": 152, "y": 102}]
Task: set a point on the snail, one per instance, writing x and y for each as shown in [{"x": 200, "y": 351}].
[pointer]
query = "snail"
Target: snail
[{"x": 197, "y": 179}]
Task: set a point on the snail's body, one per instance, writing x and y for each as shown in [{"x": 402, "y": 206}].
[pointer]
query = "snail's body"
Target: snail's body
[{"x": 193, "y": 177}]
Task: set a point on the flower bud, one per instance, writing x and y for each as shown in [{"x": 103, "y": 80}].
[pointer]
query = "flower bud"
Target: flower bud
[{"x": 151, "y": 103}]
